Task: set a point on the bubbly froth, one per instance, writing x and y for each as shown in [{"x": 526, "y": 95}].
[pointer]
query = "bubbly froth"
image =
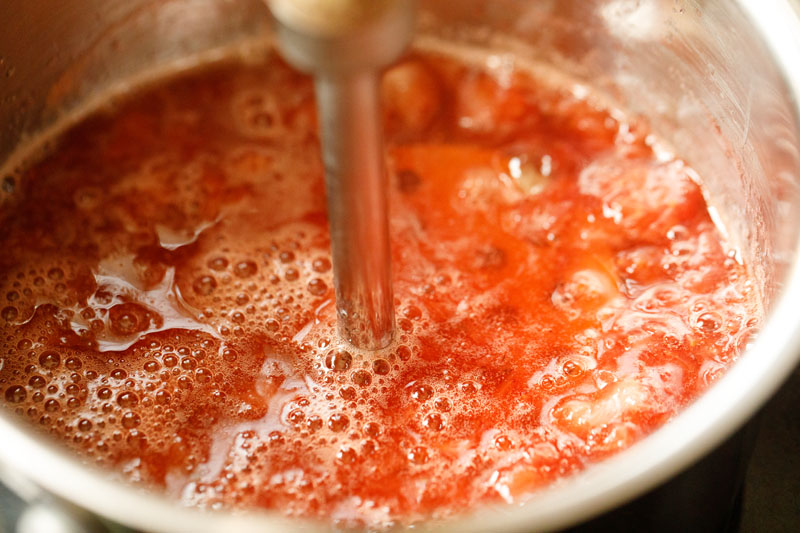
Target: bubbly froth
[{"x": 167, "y": 295}]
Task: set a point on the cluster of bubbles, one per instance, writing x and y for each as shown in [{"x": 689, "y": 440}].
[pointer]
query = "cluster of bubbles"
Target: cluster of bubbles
[{"x": 121, "y": 405}]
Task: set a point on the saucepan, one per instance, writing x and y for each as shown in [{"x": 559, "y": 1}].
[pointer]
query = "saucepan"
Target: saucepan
[{"x": 718, "y": 80}]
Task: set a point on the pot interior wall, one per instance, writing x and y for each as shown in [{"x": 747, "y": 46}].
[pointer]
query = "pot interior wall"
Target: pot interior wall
[{"x": 59, "y": 57}]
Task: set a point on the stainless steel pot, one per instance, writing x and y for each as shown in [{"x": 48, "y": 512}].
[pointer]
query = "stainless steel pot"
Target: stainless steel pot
[{"x": 718, "y": 79}]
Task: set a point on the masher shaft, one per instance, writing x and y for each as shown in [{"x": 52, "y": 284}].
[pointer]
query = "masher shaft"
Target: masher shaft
[
  {"x": 353, "y": 155},
  {"x": 345, "y": 44}
]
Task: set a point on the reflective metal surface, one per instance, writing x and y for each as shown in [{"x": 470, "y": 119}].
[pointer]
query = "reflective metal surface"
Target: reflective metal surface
[
  {"x": 356, "y": 184},
  {"x": 346, "y": 55},
  {"x": 717, "y": 79}
]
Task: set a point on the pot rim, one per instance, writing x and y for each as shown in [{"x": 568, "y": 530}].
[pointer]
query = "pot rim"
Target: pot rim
[{"x": 704, "y": 424}]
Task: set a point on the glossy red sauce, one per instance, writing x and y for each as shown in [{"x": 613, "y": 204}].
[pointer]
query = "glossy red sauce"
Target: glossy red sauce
[{"x": 167, "y": 306}]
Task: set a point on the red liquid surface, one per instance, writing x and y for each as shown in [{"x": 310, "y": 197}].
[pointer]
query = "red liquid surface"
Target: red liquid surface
[{"x": 167, "y": 311}]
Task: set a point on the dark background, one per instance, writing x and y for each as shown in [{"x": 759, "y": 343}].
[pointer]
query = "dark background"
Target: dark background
[{"x": 772, "y": 490}]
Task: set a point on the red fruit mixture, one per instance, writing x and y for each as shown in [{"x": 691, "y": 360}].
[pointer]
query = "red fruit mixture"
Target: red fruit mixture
[{"x": 167, "y": 302}]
